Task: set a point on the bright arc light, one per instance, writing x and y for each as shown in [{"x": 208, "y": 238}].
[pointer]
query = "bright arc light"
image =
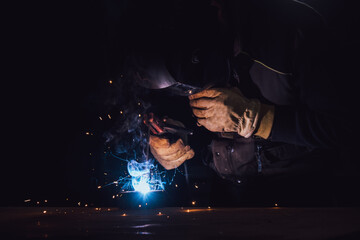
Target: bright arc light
[
  {"x": 141, "y": 183},
  {"x": 142, "y": 180}
]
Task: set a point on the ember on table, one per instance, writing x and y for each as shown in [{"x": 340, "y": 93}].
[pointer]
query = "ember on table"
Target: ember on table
[{"x": 180, "y": 223}]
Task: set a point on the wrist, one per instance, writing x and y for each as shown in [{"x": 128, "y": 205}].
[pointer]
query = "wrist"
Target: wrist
[
  {"x": 248, "y": 120},
  {"x": 266, "y": 120}
]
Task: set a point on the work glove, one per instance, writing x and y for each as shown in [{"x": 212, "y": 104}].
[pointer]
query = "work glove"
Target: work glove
[
  {"x": 228, "y": 110},
  {"x": 170, "y": 155}
]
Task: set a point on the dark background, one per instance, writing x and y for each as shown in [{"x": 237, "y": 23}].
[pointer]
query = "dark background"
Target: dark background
[{"x": 59, "y": 58}]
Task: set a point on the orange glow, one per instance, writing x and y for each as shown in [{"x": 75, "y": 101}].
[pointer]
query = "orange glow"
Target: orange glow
[{"x": 197, "y": 210}]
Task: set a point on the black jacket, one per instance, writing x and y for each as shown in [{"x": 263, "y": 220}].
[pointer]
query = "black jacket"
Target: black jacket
[{"x": 285, "y": 60}]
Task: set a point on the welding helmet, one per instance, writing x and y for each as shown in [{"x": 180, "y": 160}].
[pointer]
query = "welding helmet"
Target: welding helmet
[{"x": 183, "y": 64}]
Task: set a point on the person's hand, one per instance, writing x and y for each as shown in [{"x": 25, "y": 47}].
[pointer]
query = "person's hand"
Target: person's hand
[
  {"x": 226, "y": 110},
  {"x": 170, "y": 155}
]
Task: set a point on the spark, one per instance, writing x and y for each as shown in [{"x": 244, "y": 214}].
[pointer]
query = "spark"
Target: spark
[
  {"x": 193, "y": 202},
  {"x": 124, "y": 214},
  {"x": 87, "y": 133},
  {"x": 142, "y": 177},
  {"x": 276, "y": 204},
  {"x": 100, "y": 118},
  {"x": 196, "y": 186},
  {"x": 99, "y": 187},
  {"x": 44, "y": 211},
  {"x": 27, "y": 200},
  {"x": 139, "y": 205},
  {"x": 110, "y": 81},
  {"x": 109, "y": 116}
]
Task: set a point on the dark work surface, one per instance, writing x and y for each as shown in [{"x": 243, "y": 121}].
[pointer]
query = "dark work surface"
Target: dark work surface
[{"x": 180, "y": 223}]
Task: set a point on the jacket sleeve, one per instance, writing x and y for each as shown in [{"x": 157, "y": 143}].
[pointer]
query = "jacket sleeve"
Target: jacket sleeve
[{"x": 318, "y": 119}]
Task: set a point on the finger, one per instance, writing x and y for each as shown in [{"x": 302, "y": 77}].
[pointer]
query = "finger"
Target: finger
[
  {"x": 173, "y": 148},
  {"x": 202, "y": 121},
  {"x": 203, "y": 113},
  {"x": 210, "y": 124},
  {"x": 202, "y": 103},
  {"x": 209, "y": 93},
  {"x": 168, "y": 157},
  {"x": 159, "y": 142},
  {"x": 176, "y": 155},
  {"x": 168, "y": 165}
]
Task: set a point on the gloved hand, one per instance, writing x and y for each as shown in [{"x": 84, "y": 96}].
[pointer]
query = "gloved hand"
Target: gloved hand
[
  {"x": 170, "y": 155},
  {"x": 228, "y": 110}
]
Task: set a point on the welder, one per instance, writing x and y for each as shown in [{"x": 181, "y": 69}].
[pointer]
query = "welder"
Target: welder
[{"x": 262, "y": 79}]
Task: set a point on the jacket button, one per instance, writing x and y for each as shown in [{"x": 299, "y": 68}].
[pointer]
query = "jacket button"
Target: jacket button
[{"x": 217, "y": 154}]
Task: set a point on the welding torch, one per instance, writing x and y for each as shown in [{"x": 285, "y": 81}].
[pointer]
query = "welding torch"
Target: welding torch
[{"x": 160, "y": 127}]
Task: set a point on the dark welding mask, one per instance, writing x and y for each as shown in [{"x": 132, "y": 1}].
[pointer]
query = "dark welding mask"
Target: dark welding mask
[{"x": 186, "y": 70}]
